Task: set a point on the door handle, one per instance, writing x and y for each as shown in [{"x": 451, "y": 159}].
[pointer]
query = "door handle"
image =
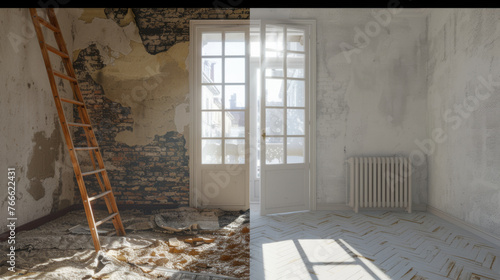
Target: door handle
[{"x": 263, "y": 135}]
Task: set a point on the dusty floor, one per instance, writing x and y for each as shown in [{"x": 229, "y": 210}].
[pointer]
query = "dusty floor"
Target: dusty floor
[{"x": 52, "y": 252}]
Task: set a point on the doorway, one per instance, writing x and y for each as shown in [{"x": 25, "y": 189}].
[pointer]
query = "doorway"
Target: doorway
[{"x": 253, "y": 104}]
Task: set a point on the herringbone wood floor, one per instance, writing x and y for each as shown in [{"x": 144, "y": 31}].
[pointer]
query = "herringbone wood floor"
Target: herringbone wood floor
[{"x": 338, "y": 245}]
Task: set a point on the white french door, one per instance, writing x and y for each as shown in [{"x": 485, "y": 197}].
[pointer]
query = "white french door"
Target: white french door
[
  {"x": 287, "y": 122},
  {"x": 228, "y": 84},
  {"x": 221, "y": 127}
]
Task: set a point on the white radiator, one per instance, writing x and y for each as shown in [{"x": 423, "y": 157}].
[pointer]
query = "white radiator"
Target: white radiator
[{"x": 380, "y": 182}]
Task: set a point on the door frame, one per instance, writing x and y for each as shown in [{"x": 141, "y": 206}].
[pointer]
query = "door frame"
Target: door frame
[
  {"x": 195, "y": 131},
  {"x": 193, "y": 76},
  {"x": 311, "y": 25}
]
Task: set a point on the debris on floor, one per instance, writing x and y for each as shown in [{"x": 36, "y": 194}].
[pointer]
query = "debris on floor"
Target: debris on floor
[
  {"x": 173, "y": 242},
  {"x": 217, "y": 245},
  {"x": 188, "y": 219},
  {"x": 199, "y": 241}
]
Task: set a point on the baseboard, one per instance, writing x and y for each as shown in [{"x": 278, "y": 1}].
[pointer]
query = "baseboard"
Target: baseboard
[
  {"x": 345, "y": 207},
  {"x": 40, "y": 221},
  {"x": 465, "y": 225}
]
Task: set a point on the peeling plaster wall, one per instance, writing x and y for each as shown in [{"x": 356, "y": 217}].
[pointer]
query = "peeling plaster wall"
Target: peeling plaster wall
[
  {"x": 133, "y": 72},
  {"x": 30, "y": 134},
  {"x": 371, "y": 101},
  {"x": 464, "y": 109},
  {"x": 153, "y": 86}
]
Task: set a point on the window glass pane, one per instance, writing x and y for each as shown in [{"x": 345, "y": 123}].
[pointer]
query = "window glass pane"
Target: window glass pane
[
  {"x": 211, "y": 97},
  {"x": 224, "y": 95},
  {"x": 295, "y": 122},
  {"x": 274, "y": 150},
  {"x": 274, "y": 92},
  {"x": 235, "y": 70},
  {"x": 295, "y": 65},
  {"x": 274, "y": 121},
  {"x": 211, "y": 152},
  {"x": 235, "y": 97},
  {"x": 274, "y": 37},
  {"x": 235, "y": 151},
  {"x": 295, "y": 39},
  {"x": 211, "y": 70},
  {"x": 211, "y": 124},
  {"x": 295, "y": 93},
  {"x": 274, "y": 64},
  {"x": 235, "y": 124},
  {"x": 235, "y": 43},
  {"x": 295, "y": 150},
  {"x": 211, "y": 43}
]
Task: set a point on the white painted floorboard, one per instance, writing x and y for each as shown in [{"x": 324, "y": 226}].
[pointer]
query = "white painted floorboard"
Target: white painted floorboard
[{"x": 338, "y": 245}]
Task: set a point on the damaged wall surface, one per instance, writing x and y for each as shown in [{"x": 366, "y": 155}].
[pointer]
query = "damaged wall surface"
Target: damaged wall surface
[
  {"x": 389, "y": 82},
  {"x": 370, "y": 91},
  {"x": 464, "y": 115},
  {"x": 31, "y": 136},
  {"x": 133, "y": 72}
]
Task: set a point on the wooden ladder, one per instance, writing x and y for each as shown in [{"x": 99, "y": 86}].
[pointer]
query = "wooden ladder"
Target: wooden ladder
[{"x": 92, "y": 146}]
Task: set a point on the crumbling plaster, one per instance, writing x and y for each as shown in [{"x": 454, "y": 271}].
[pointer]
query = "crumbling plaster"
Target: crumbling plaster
[
  {"x": 155, "y": 87},
  {"x": 132, "y": 65}
]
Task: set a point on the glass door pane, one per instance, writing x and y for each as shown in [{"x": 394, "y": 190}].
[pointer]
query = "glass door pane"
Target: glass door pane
[
  {"x": 224, "y": 97},
  {"x": 284, "y": 95}
]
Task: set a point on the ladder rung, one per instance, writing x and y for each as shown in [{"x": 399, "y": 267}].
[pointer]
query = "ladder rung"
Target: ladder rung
[
  {"x": 47, "y": 24},
  {"x": 106, "y": 219},
  {"x": 64, "y": 76},
  {"x": 72, "y": 101},
  {"x": 85, "y": 148},
  {"x": 56, "y": 51},
  {"x": 79, "y": 124},
  {"x": 93, "y": 172},
  {"x": 99, "y": 195}
]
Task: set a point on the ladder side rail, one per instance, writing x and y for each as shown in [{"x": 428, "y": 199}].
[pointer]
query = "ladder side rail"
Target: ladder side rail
[
  {"x": 65, "y": 128},
  {"x": 85, "y": 118}
]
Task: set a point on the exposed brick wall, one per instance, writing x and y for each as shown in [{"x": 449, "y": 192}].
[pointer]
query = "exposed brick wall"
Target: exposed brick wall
[
  {"x": 163, "y": 28},
  {"x": 116, "y": 14},
  {"x": 157, "y": 173}
]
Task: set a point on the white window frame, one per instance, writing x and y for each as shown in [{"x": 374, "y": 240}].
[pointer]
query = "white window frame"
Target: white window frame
[{"x": 197, "y": 26}]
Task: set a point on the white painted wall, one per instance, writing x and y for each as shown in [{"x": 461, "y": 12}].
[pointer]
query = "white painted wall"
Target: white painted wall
[
  {"x": 464, "y": 108},
  {"x": 30, "y": 135},
  {"x": 371, "y": 101}
]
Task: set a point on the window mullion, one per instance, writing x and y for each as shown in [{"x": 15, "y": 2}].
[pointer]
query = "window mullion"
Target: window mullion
[
  {"x": 223, "y": 99},
  {"x": 285, "y": 105}
]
